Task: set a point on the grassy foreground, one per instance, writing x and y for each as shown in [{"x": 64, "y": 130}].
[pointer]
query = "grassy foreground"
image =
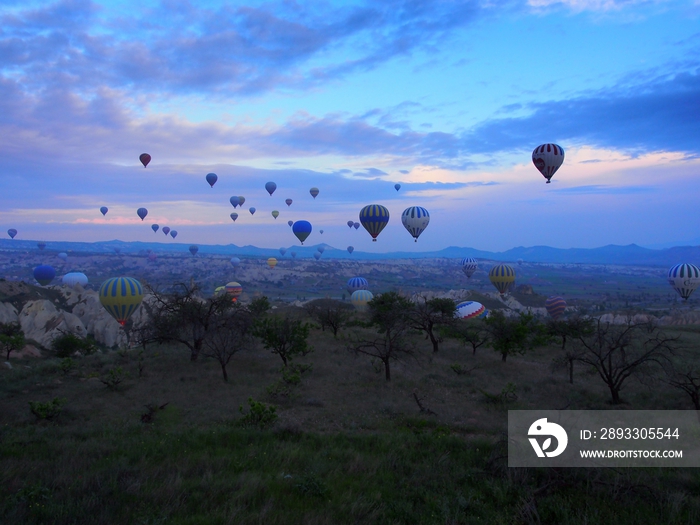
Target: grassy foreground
[{"x": 415, "y": 472}]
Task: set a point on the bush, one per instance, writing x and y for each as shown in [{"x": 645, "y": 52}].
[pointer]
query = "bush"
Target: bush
[
  {"x": 259, "y": 416},
  {"x": 48, "y": 410},
  {"x": 67, "y": 344}
]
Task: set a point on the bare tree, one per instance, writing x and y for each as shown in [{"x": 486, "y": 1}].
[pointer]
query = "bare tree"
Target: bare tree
[
  {"x": 230, "y": 331},
  {"x": 430, "y": 315},
  {"x": 471, "y": 332},
  {"x": 617, "y": 352},
  {"x": 568, "y": 329},
  {"x": 329, "y": 313}
]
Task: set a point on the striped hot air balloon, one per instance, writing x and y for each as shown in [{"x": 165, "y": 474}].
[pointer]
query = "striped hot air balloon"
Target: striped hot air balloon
[
  {"x": 357, "y": 283},
  {"x": 469, "y": 266},
  {"x": 502, "y": 276},
  {"x": 121, "y": 297},
  {"x": 469, "y": 310},
  {"x": 272, "y": 262},
  {"x": 234, "y": 289},
  {"x": 415, "y": 219},
  {"x": 360, "y": 298},
  {"x": 547, "y": 158},
  {"x": 684, "y": 278},
  {"x": 374, "y": 218},
  {"x": 555, "y": 306}
]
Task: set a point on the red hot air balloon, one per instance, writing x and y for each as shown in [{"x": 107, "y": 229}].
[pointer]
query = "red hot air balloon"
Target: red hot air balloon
[
  {"x": 145, "y": 158},
  {"x": 547, "y": 158}
]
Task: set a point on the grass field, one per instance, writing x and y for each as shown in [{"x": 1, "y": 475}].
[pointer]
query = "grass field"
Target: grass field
[{"x": 347, "y": 447}]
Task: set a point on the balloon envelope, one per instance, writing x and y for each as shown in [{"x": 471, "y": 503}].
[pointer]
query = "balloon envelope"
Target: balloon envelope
[
  {"x": 290, "y": 223},
  {"x": 41, "y": 245},
  {"x": 360, "y": 298},
  {"x": 12, "y": 232},
  {"x": 350, "y": 249},
  {"x": 73, "y": 278},
  {"x": 294, "y": 255},
  {"x": 313, "y": 192},
  {"x": 194, "y": 249},
  {"x": 270, "y": 187},
  {"x": 350, "y": 223},
  {"x": 234, "y": 201},
  {"x": 502, "y": 276},
  {"x": 166, "y": 230},
  {"x": 235, "y": 261},
  {"x": 63, "y": 256},
  {"x": 469, "y": 310},
  {"x": 121, "y": 296},
  {"x": 520, "y": 262},
  {"x": 283, "y": 251},
  {"x": 104, "y": 210},
  {"x": 251, "y": 210},
  {"x": 142, "y": 212},
  {"x": 374, "y": 218},
  {"x": 173, "y": 233},
  {"x": 44, "y": 274},
  {"x": 211, "y": 179},
  {"x": 415, "y": 219},
  {"x": 397, "y": 187},
  {"x": 547, "y": 158},
  {"x": 469, "y": 266},
  {"x": 555, "y": 306},
  {"x": 145, "y": 158},
  {"x": 302, "y": 229},
  {"x": 321, "y": 249},
  {"x": 275, "y": 213},
  {"x": 154, "y": 227},
  {"x": 234, "y": 289},
  {"x": 288, "y": 202},
  {"x": 357, "y": 283},
  {"x": 356, "y": 225},
  {"x": 317, "y": 256},
  {"x": 234, "y": 216},
  {"x": 272, "y": 262},
  {"x": 241, "y": 200},
  {"x": 684, "y": 278}
]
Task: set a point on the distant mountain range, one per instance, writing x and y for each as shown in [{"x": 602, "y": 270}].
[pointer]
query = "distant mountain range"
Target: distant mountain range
[{"x": 631, "y": 254}]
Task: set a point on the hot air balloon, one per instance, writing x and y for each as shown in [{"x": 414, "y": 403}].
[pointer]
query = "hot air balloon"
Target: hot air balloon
[
  {"x": 317, "y": 256},
  {"x": 117, "y": 250},
  {"x": 357, "y": 283},
  {"x": 294, "y": 255},
  {"x": 360, "y": 298},
  {"x": 555, "y": 306},
  {"x": 104, "y": 210},
  {"x": 234, "y": 216},
  {"x": 350, "y": 249},
  {"x": 235, "y": 261},
  {"x": 166, "y": 230},
  {"x": 275, "y": 214},
  {"x": 251, "y": 210},
  {"x": 12, "y": 232},
  {"x": 211, "y": 179},
  {"x": 302, "y": 229},
  {"x": 374, "y": 218},
  {"x": 313, "y": 192},
  {"x": 520, "y": 262},
  {"x": 283, "y": 251},
  {"x": 272, "y": 262},
  {"x": 234, "y": 289},
  {"x": 63, "y": 256},
  {"x": 270, "y": 187},
  {"x": 321, "y": 249},
  {"x": 684, "y": 278},
  {"x": 288, "y": 202},
  {"x": 320, "y": 231},
  {"x": 41, "y": 245},
  {"x": 290, "y": 223},
  {"x": 547, "y": 158},
  {"x": 154, "y": 227},
  {"x": 194, "y": 249},
  {"x": 44, "y": 274},
  {"x": 145, "y": 158},
  {"x": 502, "y": 277},
  {"x": 152, "y": 257},
  {"x": 142, "y": 212},
  {"x": 241, "y": 200},
  {"x": 219, "y": 290},
  {"x": 234, "y": 201},
  {"x": 415, "y": 219},
  {"x": 469, "y": 266},
  {"x": 397, "y": 187},
  {"x": 469, "y": 310},
  {"x": 356, "y": 225},
  {"x": 121, "y": 296},
  {"x": 73, "y": 278},
  {"x": 350, "y": 223},
  {"x": 173, "y": 233}
]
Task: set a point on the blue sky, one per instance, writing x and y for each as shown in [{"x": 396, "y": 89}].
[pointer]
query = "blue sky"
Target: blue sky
[{"x": 447, "y": 98}]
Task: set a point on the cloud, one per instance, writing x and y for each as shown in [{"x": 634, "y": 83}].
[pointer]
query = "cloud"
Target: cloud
[{"x": 604, "y": 189}]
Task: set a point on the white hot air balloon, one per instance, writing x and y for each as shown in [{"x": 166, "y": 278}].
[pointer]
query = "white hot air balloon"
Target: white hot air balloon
[
  {"x": 415, "y": 219},
  {"x": 469, "y": 266},
  {"x": 73, "y": 278},
  {"x": 547, "y": 158},
  {"x": 684, "y": 278}
]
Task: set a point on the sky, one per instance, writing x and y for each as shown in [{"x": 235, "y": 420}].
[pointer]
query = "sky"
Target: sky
[{"x": 446, "y": 98}]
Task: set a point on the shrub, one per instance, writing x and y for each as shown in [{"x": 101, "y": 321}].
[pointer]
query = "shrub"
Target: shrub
[
  {"x": 259, "y": 416},
  {"x": 48, "y": 410},
  {"x": 67, "y": 344}
]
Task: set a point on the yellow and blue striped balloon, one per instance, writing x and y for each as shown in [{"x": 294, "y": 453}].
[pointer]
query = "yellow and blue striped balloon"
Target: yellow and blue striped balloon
[
  {"x": 374, "y": 218},
  {"x": 360, "y": 298},
  {"x": 502, "y": 276},
  {"x": 121, "y": 296}
]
